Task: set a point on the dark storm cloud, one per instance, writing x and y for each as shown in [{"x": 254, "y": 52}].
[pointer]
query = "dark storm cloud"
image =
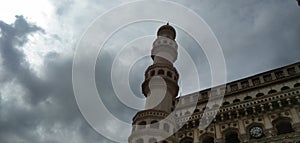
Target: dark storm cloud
[{"x": 47, "y": 112}]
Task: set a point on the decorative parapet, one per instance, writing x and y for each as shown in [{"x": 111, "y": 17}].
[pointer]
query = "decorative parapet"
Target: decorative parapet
[
  {"x": 278, "y": 96},
  {"x": 235, "y": 87}
]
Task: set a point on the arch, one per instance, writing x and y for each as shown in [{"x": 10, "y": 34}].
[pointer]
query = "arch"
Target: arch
[
  {"x": 152, "y": 140},
  {"x": 231, "y": 136},
  {"x": 272, "y": 91},
  {"x": 166, "y": 127},
  {"x": 297, "y": 85},
  {"x": 152, "y": 73},
  {"x": 169, "y": 74},
  {"x": 207, "y": 138},
  {"x": 154, "y": 124},
  {"x": 161, "y": 72},
  {"x": 186, "y": 140},
  {"x": 259, "y": 95},
  {"x": 196, "y": 110},
  {"x": 236, "y": 100},
  {"x": 139, "y": 141},
  {"x": 247, "y": 98},
  {"x": 142, "y": 125},
  {"x": 285, "y": 88},
  {"x": 283, "y": 125},
  {"x": 226, "y": 103}
]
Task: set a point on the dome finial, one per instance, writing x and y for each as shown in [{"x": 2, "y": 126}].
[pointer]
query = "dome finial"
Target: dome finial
[{"x": 167, "y": 31}]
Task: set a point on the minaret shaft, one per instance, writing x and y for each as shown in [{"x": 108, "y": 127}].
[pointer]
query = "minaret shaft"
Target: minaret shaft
[{"x": 160, "y": 88}]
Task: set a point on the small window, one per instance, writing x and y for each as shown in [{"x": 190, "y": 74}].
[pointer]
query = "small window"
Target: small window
[
  {"x": 152, "y": 73},
  {"x": 161, "y": 72},
  {"x": 187, "y": 140},
  {"x": 208, "y": 139},
  {"x": 285, "y": 88},
  {"x": 232, "y": 137},
  {"x": 259, "y": 94},
  {"x": 245, "y": 84},
  {"x": 169, "y": 74},
  {"x": 226, "y": 103},
  {"x": 291, "y": 71},
  {"x": 236, "y": 100},
  {"x": 272, "y": 91},
  {"x": 247, "y": 98},
  {"x": 283, "y": 126},
  {"x": 279, "y": 74},
  {"x": 256, "y": 81},
  {"x": 267, "y": 77},
  {"x": 234, "y": 87}
]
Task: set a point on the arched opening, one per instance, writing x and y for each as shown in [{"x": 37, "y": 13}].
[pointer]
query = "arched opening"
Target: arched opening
[
  {"x": 283, "y": 126},
  {"x": 140, "y": 141},
  {"x": 154, "y": 124},
  {"x": 208, "y": 139},
  {"x": 232, "y": 137},
  {"x": 169, "y": 74},
  {"x": 161, "y": 72},
  {"x": 285, "y": 88},
  {"x": 247, "y": 98},
  {"x": 297, "y": 85},
  {"x": 152, "y": 73},
  {"x": 196, "y": 110},
  {"x": 166, "y": 127},
  {"x": 259, "y": 95},
  {"x": 142, "y": 125},
  {"x": 236, "y": 100},
  {"x": 226, "y": 103},
  {"x": 272, "y": 91},
  {"x": 152, "y": 140},
  {"x": 187, "y": 140}
]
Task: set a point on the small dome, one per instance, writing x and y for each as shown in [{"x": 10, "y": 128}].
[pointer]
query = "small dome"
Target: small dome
[{"x": 167, "y": 31}]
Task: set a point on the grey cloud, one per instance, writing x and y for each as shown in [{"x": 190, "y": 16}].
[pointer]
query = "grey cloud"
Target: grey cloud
[
  {"x": 47, "y": 112},
  {"x": 255, "y": 36}
]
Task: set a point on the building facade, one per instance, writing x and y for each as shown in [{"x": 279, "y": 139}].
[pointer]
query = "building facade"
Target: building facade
[{"x": 261, "y": 108}]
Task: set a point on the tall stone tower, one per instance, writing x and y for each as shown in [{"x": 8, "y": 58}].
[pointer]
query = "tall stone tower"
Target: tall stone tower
[{"x": 156, "y": 123}]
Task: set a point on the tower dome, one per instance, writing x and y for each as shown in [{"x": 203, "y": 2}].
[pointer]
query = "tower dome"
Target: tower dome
[{"x": 167, "y": 31}]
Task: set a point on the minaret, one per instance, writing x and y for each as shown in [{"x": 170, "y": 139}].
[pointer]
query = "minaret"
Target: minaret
[{"x": 160, "y": 87}]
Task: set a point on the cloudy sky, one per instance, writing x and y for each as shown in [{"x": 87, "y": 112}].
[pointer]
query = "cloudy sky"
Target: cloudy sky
[{"x": 38, "y": 39}]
